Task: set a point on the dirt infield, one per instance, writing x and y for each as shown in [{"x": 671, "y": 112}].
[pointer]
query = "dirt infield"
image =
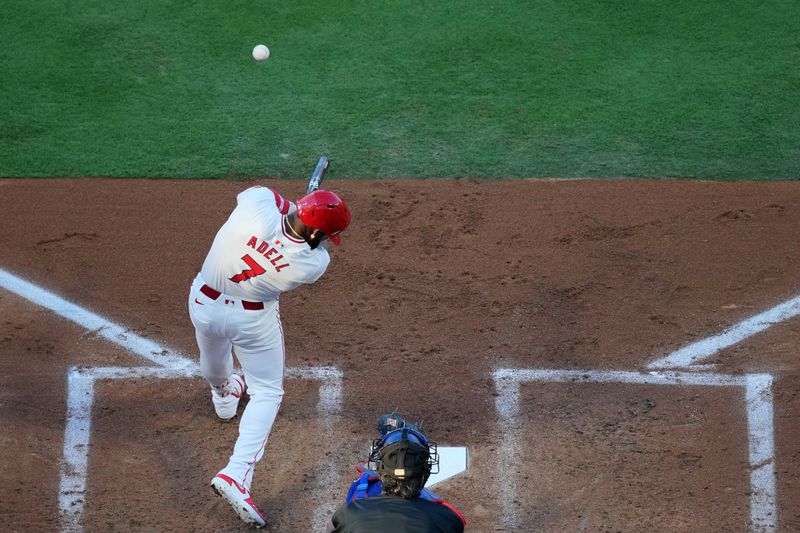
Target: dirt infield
[{"x": 436, "y": 285}]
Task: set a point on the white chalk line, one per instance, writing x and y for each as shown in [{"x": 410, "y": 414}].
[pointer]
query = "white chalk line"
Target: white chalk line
[
  {"x": 80, "y": 394},
  {"x": 72, "y": 486},
  {"x": 329, "y": 408},
  {"x": 77, "y": 432},
  {"x": 759, "y": 407},
  {"x": 97, "y": 324},
  {"x": 760, "y": 416},
  {"x": 707, "y": 347}
]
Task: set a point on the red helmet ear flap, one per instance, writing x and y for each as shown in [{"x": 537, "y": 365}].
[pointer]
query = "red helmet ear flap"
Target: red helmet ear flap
[{"x": 325, "y": 211}]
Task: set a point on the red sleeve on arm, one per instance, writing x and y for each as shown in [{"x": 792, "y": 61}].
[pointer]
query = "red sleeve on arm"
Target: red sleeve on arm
[{"x": 281, "y": 203}]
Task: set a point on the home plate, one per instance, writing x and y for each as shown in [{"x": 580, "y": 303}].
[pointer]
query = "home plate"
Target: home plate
[{"x": 452, "y": 461}]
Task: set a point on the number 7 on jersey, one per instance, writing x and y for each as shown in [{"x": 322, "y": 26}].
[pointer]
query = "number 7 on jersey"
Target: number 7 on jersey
[{"x": 254, "y": 270}]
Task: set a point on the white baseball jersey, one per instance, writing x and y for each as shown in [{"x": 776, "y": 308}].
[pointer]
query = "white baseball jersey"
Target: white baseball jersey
[{"x": 253, "y": 257}]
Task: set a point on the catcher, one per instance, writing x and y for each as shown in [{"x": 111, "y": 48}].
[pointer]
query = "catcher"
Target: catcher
[{"x": 393, "y": 497}]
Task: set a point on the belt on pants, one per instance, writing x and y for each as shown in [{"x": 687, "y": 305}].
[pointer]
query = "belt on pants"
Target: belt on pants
[{"x": 214, "y": 294}]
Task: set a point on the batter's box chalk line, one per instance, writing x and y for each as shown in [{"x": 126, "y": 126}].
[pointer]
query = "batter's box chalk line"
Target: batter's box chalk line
[
  {"x": 705, "y": 348},
  {"x": 758, "y": 407},
  {"x": 689, "y": 359},
  {"x": 758, "y": 402},
  {"x": 171, "y": 365}
]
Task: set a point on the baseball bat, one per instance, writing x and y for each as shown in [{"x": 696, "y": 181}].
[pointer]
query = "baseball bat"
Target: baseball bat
[{"x": 318, "y": 175}]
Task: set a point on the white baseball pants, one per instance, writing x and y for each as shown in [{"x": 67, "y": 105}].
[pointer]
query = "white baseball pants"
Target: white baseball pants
[{"x": 256, "y": 337}]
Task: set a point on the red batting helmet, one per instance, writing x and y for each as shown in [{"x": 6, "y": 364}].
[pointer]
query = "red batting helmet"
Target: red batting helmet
[{"x": 325, "y": 211}]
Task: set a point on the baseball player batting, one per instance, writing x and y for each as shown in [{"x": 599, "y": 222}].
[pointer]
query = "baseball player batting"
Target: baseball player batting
[{"x": 268, "y": 245}]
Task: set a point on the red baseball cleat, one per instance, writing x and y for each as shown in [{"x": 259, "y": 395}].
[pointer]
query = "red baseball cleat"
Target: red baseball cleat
[{"x": 239, "y": 498}]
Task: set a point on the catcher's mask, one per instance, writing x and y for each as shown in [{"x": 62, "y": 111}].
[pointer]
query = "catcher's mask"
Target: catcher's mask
[
  {"x": 326, "y": 211},
  {"x": 405, "y": 454}
]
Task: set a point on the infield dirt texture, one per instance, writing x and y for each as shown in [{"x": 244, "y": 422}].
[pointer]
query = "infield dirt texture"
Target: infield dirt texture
[{"x": 436, "y": 285}]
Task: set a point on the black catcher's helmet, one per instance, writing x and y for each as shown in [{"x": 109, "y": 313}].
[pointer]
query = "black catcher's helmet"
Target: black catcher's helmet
[{"x": 405, "y": 454}]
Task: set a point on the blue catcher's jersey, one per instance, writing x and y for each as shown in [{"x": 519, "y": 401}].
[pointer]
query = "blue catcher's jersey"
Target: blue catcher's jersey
[{"x": 369, "y": 484}]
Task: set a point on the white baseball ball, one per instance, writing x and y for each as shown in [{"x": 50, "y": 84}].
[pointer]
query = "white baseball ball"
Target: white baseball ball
[{"x": 260, "y": 52}]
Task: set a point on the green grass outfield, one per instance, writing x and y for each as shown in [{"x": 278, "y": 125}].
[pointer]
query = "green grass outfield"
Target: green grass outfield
[{"x": 547, "y": 88}]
